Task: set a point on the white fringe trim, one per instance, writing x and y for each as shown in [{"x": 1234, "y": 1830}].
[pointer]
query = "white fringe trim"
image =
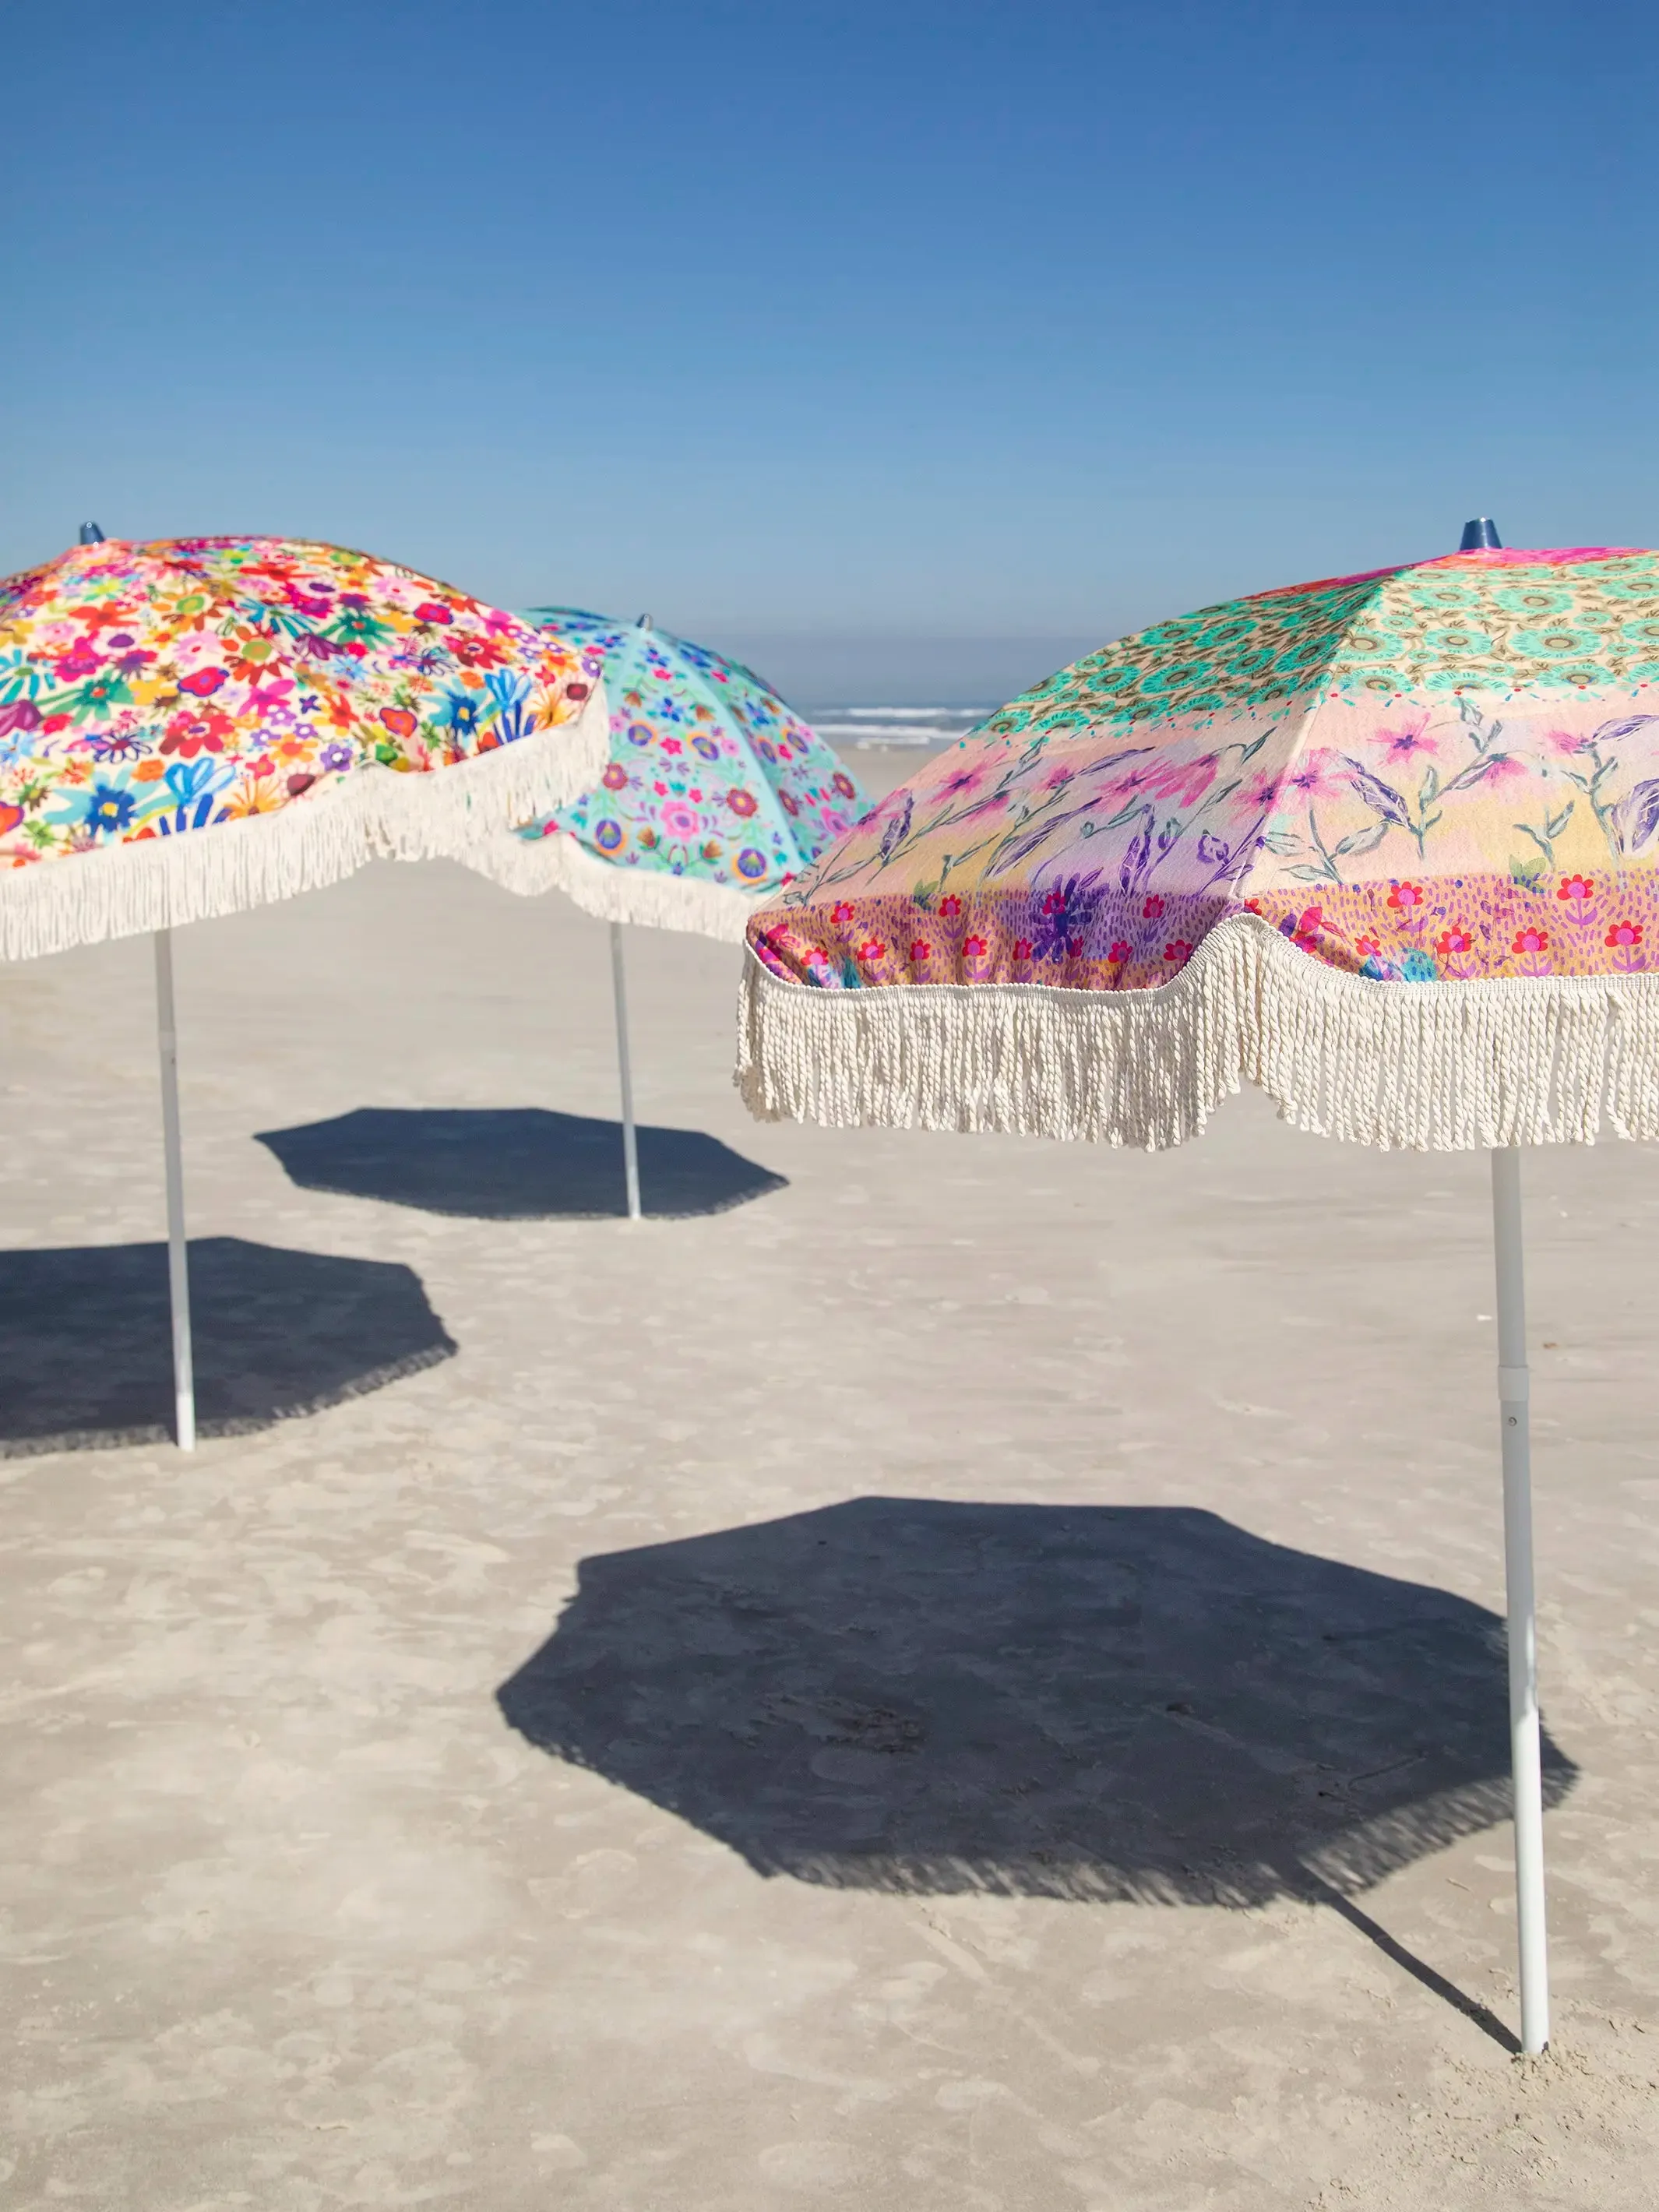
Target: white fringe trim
[
  {"x": 615, "y": 893},
  {"x": 1441, "y": 1067},
  {"x": 375, "y": 813}
]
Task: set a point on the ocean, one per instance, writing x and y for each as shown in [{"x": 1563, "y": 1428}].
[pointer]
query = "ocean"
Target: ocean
[{"x": 858, "y": 728}]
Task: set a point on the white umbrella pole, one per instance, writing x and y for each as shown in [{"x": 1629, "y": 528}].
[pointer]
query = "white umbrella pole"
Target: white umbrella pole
[
  {"x": 1524, "y": 1745},
  {"x": 184, "y": 1383},
  {"x": 630, "y": 1147}
]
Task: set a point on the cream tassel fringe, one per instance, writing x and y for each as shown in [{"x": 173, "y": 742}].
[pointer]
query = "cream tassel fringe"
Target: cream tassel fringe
[
  {"x": 1414, "y": 1067},
  {"x": 617, "y": 893},
  {"x": 375, "y": 813}
]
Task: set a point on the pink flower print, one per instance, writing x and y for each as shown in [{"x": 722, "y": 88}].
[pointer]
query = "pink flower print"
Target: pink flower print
[
  {"x": 1022, "y": 959},
  {"x": 1530, "y": 947},
  {"x": 1566, "y": 743},
  {"x": 1316, "y": 776},
  {"x": 920, "y": 952},
  {"x": 818, "y": 965},
  {"x": 673, "y": 745},
  {"x": 841, "y": 914},
  {"x": 965, "y": 779},
  {"x": 1178, "y": 951},
  {"x": 950, "y": 907},
  {"x": 974, "y": 950},
  {"x": 1255, "y": 796},
  {"x": 1452, "y": 942},
  {"x": 1055, "y": 903},
  {"x": 872, "y": 950},
  {"x": 1407, "y": 740},
  {"x": 1119, "y": 954},
  {"x": 1184, "y": 781},
  {"x": 1578, "y": 894},
  {"x": 1503, "y": 768},
  {"x": 680, "y": 820},
  {"x": 1021, "y": 948},
  {"x": 1153, "y": 908},
  {"x": 1622, "y": 940},
  {"x": 1367, "y": 947},
  {"x": 1405, "y": 897},
  {"x": 1308, "y": 923},
  {"x": 614, "y": 777},
  {"x": 1057, "y": 778}
]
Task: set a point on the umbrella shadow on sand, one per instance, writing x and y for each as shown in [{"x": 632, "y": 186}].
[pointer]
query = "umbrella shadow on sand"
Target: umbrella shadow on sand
[
  {"x": 514, "y": 1164},
  {"x": 86, "y": 1348},
  {"x": 1076, "y": 1702}
]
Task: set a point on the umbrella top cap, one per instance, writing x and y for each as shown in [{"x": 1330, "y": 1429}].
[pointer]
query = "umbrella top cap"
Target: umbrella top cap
[
  {"x": 91, "y": 534},
  {"x": 1481, "y": 536}
]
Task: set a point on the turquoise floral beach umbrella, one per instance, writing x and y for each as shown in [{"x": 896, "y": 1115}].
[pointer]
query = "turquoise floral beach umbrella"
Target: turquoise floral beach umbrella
[{"x": 715, "y": 798}]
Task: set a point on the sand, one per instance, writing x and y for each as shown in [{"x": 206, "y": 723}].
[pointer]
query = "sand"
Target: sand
[{"x": 949, "y": 1674}]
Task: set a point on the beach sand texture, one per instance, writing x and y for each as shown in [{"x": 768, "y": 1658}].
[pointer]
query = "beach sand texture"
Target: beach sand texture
[{"x": 951, "y": 1675}]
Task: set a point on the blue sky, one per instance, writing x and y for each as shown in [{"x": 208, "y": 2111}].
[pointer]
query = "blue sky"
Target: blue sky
[{"x": 955, "y": 336}]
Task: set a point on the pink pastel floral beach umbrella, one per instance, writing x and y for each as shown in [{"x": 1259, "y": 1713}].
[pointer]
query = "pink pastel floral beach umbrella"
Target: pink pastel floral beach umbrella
[
  {"x": 201, "y": 724},
  {"x": 1384, "y": 845}
]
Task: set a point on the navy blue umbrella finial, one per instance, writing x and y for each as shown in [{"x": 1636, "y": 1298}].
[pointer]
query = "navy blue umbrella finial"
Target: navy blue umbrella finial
[
  {"x": 1479, "y": 534},
  {"x": 91, "y": 534}
]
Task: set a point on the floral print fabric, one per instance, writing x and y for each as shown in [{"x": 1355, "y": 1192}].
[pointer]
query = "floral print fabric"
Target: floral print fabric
[
  {"x": 1447, "y": 771},
  {"x": 152, "y": 691},
  {"x": 711, "y": 775}
]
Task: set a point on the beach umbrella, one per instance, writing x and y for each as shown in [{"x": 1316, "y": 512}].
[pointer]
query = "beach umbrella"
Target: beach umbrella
[
  {"x": 199, "y": 725},
  {"x": 1383, "y": 845},
  {"x": 715, "y": 796}
]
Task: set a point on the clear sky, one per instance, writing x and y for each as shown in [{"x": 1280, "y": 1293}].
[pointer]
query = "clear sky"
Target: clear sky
[{"x": 864, "y": 328}]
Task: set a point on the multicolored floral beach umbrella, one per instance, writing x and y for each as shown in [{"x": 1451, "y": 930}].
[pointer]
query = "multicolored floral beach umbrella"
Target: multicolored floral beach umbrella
[
  {"x": 714, "y": 799},
  {"x": 199, "y": 725},
  {"x": 1366, "y": 843},
  {"x": 1386, "y": 845}
]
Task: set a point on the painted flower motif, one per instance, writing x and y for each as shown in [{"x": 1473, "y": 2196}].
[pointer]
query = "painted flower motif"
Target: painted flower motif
[
  {"x": 1367, "y": 948},
  {"x": 742, "y": 803},
  {"x": 1407, "y": 740},
  {"x": 841, "y": 914},
  {"x": 1452, "y": 943},
  {"x": 1576, "y": 888},
  {"x": 681, "y": 820},
  {"x": 1624, "y": 934},
  {"x": 610, "y": 837},
  {"x": 1152, "y": 909},
  {"x": 751, "y": 865},
  {"x": 706, "y": 747},
  {"x": 336, "y": 759},
  {"x": 872, "y": 950},
  {"x": 614, "y": 777},
  {"x": 1178, "y": 951},
  {"x": 844, "y": 784},
  {"x": 205, "y": 731},
  {"x": 920, "y": 952},
  {"x": 1531, "y": 940},
  {"x": 1403, "y": 897},
  {"x": 1118, "y": 953},
  {"x": 106, "y": 808},
  {"x": 202, "y": 683},
  {"x": 949, "y": 906}
]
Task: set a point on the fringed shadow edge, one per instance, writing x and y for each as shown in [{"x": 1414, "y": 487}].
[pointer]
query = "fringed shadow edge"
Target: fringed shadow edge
[
  {"x": 611, "y": 892},
  {"x": 1442, "y": 1066},
  {"x": 377, "y": 813}
]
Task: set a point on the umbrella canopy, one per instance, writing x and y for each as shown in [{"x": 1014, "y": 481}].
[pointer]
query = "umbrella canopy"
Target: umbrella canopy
[
  {"x": 200, "y": 724},
  {"x": 714, "y": 799},
  {"x": 1384, "y": 845}
]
